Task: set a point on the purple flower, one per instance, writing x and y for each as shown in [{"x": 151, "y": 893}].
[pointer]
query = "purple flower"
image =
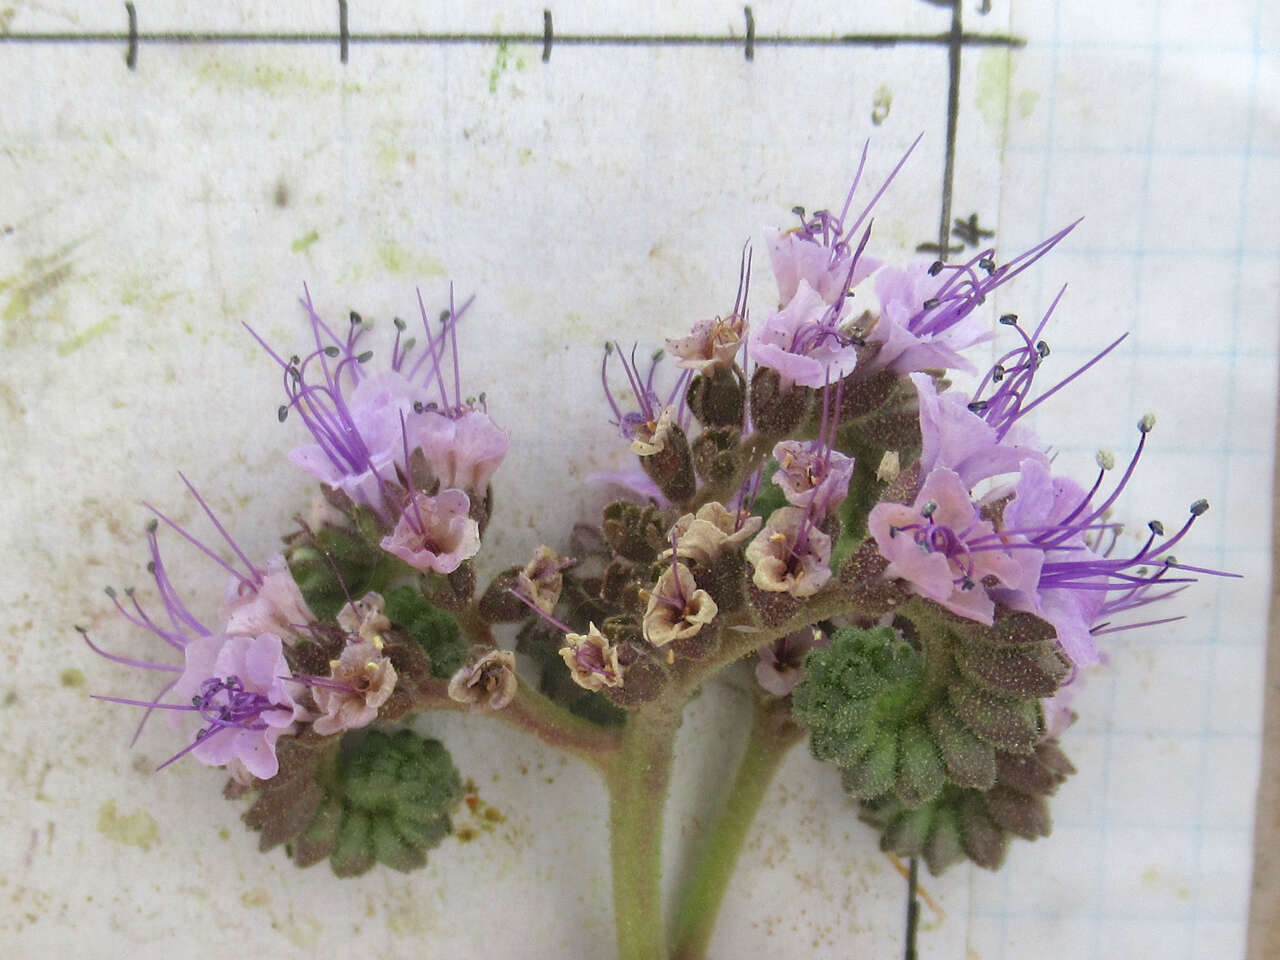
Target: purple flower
[
  {"x": 360, "y": 681},
  {"x": 712, "y": 344},
  {"x": 790, "y": 555},
  {"x": 465, "y": 451},
  {"x": 821, "y": 259},
  {"x": 955, "y": 437},
  {"x": 945, "y": 551},
  {"x": 646, "y": 426},
  {"x": 1081, "y": 584},
  {"x": 231, "y": 677},
  {"x": 901, "y": 291},
  {"x": 781, "y": 664},
  {"x": 366, "y": 426},
  {"x": 241, "y": 689},
  {"x": 826, "y": 251},
  {"x": 274, "y": 604},
  {"x": 926, "y": 313},
  {"x": 804, "y": 341},
  {"x": 435, "y": 533}
]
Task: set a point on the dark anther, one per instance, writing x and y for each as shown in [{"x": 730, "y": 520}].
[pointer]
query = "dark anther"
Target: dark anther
[
  {"x": 444, "y": 316},
  {"x": 987, "y": 264},
  {"x": 111, "y": 591},
  {"x": 282, "y": 413},
  {"x": 152, "y": 524},
  {"x": 399, "y": 324},
  {"x": 79, "y": 629},
  {"x": 858, "y": 341},
  {"x": 295, "y": 360},
  {"x": 433, "y": 405},
  {"x": 408, "y": 344},
  {"x": 658, "y": 355},
  {"x": 798, "y": 211},
  {"x": 1199, "y": 508},
  {"x": 356, "y": 319},
  {"x": 977, "y": 406},
  {"x": 966, "y": 584},
  {"x": 1009, "y": 319},
  {"x": 608, "y": 348},
  {"x": 364, "y": 357},
  {"x": 128, "y": 591},
  {"x": 997, "y": 373},
  {"x": 1171, "y": 561},
  {"x": 482, "y": 398},
  {"x": 1156, "y": 527},
  {"x": 151, "y": 567},
  {"x": 893, "y": 532},
  {"x": 201, "y": 733},
  {"x": 417, "y": 406},
  {"x": 294, "y": 374},
  {"x": 1042, "y": 348},
  {"x": 936, "y": 268},
  {"x": 197, "y": 700},
  {"x": 931, "y": 303},
  {"x": 331, "y": 351},
  {"x": 929, "y": 508}
]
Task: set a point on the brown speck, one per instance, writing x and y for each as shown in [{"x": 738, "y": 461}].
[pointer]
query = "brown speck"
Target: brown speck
[
  {"x": 466, "y": 835},
  {"x": 281, "y": 196}
]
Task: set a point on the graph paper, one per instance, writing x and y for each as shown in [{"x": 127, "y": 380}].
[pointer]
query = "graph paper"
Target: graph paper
[{"x": 173, "y": 169}]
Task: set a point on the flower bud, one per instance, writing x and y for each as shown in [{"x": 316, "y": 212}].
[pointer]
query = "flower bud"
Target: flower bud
[
  {"x": 715, "y": 455},
  {"x": 634, "y": 532},
  {"x": 776, "y": 411},
  {"x": 670, "y": 467},
  {"x": 717, "y": 398}
]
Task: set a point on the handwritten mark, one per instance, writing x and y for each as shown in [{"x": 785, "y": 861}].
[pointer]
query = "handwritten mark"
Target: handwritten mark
[
  {"x": 131, "y": 55},
  {"x": 344, "y": 36}
]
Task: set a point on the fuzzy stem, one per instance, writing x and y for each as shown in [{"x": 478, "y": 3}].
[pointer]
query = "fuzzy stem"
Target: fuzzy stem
[
  {"x": 537, "y": 714},
  {"x": 772, "y": 734},
  {"x": 637, "y": 780}
]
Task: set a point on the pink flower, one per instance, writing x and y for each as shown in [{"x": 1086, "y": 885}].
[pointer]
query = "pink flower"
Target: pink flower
[
  {"x": 945, "y": 551},
  {"x": 955, "y": 437},
  {"x": 463, "y": 452},
  {"x": 781, "y": 664},
  {"x": 241, "y": 687},
  {"x": 811, "y": 473},
  {"x": 369, "y": 443},
  {"x": 435, "y": 533},
  {"x": 908, "y": 342},
  {"x": 798, "y": 259},
  {"x": 273, "y": 605},
  {"x": 803, "y": 342},
  {"x": 790, "y": 555},
  {"x": 360, "y": 681}
]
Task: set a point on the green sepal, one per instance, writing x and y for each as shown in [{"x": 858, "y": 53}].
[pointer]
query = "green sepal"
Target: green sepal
[
  {"x": 436, "y": 630},
  {"x": 354, "y": 552},
  {"x": 921, "y": 774},
  {"x": 970, "y": 762},
  {"x": 974, "y": 824},
  {"x": 1008, "y": 723},
  {"x": 387, "y": 800}
]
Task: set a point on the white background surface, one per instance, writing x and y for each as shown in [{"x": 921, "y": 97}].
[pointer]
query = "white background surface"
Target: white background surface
[{"x": 606, "y": 194}]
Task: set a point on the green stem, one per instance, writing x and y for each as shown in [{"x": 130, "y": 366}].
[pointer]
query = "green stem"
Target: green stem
[
  {"x": 537, "y": 714},
  {"x": 772, "y": 735},
  {"x": 637, "y": 780}
]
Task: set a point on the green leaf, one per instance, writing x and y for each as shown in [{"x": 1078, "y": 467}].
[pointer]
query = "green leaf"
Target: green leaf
[{"x": 435, "y": 629}]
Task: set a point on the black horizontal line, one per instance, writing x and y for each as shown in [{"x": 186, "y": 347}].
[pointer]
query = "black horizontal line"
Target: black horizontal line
[{"x": 530, "y": 39}]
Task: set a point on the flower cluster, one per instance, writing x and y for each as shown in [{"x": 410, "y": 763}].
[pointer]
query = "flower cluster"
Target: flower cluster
[{"x": 918, "y": 590}]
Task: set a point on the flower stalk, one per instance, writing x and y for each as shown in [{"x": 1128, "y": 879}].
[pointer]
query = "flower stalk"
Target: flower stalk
[{"x": 773, "y": 733}]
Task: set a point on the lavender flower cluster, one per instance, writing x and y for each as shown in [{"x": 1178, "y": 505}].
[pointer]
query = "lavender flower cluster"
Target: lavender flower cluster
[{"x": 917, "y": 589}]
